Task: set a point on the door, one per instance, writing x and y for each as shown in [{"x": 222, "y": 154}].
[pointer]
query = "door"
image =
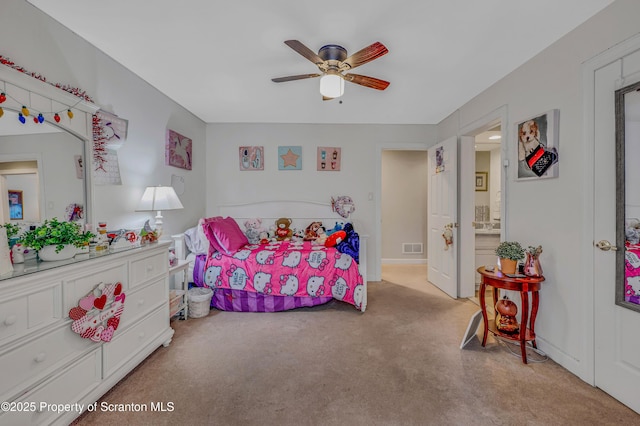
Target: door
[
  {"x": 617, "y": 347},
  {"x": 442, "y": 209}
]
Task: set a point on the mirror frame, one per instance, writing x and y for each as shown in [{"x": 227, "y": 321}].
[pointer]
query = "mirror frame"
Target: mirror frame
[
  {"x": 620, "y": 124},
  {"x": 41, "y": 96}
]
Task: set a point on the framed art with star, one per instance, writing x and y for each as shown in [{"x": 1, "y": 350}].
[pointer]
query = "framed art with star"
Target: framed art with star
[{"x": 289, "y": 158}]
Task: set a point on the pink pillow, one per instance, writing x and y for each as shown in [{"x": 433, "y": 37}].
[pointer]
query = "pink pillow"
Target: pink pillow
[
  {"x": 204, "y": 224},
  {"x": 225, "y": 235}
]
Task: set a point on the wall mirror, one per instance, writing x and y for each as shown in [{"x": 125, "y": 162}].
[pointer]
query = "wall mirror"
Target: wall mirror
[
  {"x": 627, "y": 101},
  {"x": 45, "y": 164}
]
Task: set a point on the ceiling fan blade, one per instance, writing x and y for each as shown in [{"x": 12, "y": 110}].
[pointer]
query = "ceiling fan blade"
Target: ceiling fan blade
[
  {"x": 365, "y": 55},
  {"x": 363, "y": 80},
  {"x": 294, "y": 77},
  {"x": 304, "y": 51}
]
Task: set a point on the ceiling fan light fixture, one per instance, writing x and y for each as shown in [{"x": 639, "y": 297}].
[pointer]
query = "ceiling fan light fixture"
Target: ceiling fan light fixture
[{"x": 331, "y": 85}]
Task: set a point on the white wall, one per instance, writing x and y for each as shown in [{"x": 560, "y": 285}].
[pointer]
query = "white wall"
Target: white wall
[
  {"x": 547, "y": 211},
  {"x": 40, "y": 44},
  {"x": 404, "y": 204},
  {"x": 227, "y": 184}
]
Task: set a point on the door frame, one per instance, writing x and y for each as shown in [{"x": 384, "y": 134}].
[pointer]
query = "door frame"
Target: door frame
[
  {"x": 377, "y": 196},
  {"x": 466, "y": 201},
  {"x": 589, "y": 68}
]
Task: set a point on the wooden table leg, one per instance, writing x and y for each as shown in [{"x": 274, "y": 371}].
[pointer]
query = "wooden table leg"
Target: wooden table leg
[
  {"x": 483, "y": 308},
  {"x": 524, "y": 320},
  {"x": 534, "y": 313}
]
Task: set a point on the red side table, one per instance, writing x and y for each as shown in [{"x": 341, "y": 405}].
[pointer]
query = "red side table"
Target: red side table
[{"x": 524, "y": 285}]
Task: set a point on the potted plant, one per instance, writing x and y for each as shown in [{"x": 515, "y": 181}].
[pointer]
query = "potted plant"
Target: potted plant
[
  {"x": 12, "y": 231},
  {"x": 509, "y": 252},
  {"x": 55, "y": 240}
]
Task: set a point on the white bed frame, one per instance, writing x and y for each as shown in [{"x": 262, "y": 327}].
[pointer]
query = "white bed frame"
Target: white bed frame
[{"x": 302, "y": 213}]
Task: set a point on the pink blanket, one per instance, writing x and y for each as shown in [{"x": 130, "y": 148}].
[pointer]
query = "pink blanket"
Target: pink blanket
[{"x": 287, "y": 268}]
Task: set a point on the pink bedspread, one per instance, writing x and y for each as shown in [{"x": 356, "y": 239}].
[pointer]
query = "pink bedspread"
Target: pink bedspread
[{"x": 288, "y": 269}]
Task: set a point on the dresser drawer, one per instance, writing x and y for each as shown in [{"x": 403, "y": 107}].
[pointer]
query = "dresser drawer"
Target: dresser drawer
[
  {"x": 69, "y": 387},
  {"x": 123, "y": 347},
  {"x": 38, "y": 357},
  {"x": 77, "y": 287},
  {"x": 149, "y": 267},
  {"x": 29, "y": 312},
  {"x": 142, "y": 301}
]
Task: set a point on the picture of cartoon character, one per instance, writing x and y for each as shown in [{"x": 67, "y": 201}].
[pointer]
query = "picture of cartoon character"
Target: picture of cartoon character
[
  {"x": 237, "y": 278},
  {"x": 317, "y": 259},
  {"x": 358, "y": 295},
  {"x": 265, "y": 257},
  {"x": 343, "y": 261},
  {"x": 315, "y": 286},
  {"x": 292, "y": 259},
  {"x": 262, "y": 282},
  {"x": 212, "y": 276},
  {"x": 289, "y": 284},
  {"x": 339, "y": 289}
]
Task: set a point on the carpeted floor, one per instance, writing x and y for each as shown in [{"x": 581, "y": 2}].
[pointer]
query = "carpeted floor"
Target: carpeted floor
[{"x": 399, "y": 363}]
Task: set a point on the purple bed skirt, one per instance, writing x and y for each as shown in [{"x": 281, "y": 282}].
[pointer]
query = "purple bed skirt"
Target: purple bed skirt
[{"x": 226, "y": 299}]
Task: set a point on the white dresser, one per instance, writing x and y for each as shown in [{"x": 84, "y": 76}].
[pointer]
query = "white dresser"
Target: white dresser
[{"x": 42, "y": 361}]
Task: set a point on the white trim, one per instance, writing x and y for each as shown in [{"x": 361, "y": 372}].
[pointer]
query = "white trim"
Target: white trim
[
  {"x": 404, "y": 261},
  {"x": 377, "y": 249},
  {"x": 586, "y": 370}
]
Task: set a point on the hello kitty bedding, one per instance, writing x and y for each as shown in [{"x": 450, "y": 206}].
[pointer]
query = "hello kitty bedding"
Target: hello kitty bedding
[{"x": 279, "y": 275}]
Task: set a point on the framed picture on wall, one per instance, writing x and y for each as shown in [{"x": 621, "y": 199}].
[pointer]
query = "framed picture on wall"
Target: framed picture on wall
[
  {"x": 537, "y": 146},
  {"x": 15, "y": 205},
  {"x": 251, "y": 158},
  {"x": 178, "y": 150},
  {"x": 289, "y": 158},
  {"x": 329, "y": 158},
  {"x": 481, "y": 181}
]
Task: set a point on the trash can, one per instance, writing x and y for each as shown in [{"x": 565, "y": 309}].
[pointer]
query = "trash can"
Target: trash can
[{"x": 199, "y": 301}]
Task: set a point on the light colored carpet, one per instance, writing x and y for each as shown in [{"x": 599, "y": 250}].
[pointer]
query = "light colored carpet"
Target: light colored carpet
[{"x": 399, "y": 363}]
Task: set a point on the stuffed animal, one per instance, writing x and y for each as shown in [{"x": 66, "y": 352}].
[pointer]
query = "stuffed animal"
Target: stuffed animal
[
  {"x": 253, "y": 229},
  {"x": 283, "y": 232},
  {"x": 351, "y": 243},
  {"x": 322, "y": 236},
  {"x": 337, "y": 227},
  {"x": 311, "y": 233},
  {"x": 335, "y": 238}
]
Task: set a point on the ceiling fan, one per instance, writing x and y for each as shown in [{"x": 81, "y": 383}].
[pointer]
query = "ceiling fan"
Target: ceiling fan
[{"x": 332, "y": 61}]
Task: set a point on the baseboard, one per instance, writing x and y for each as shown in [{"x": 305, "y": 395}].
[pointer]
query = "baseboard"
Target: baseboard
[{"x": 403, "y": 261}]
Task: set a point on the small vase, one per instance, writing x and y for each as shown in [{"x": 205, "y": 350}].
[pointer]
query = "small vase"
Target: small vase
[
  {"x": 532, "y": 266},
  {"x": 48, "y": 253},
  {"x": 508, "y": 266}
]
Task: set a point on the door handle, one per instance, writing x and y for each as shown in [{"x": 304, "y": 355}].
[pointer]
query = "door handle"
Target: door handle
[{"x": 605, "y": 245}]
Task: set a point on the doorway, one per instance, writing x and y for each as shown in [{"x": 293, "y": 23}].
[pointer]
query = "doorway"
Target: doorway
[
  {"x": 488, "y": 196},
  {"x": 400, "y": 218}
]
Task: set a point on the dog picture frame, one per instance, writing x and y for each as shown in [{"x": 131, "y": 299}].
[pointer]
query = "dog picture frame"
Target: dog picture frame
[{"x": 536, "y": 146}]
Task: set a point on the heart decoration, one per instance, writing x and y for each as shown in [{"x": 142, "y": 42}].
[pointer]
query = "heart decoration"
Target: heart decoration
[
  {"x": 97, "y": 315},
  {"x": 76, "y": 313},
  {"x": 100, "y": 302}
]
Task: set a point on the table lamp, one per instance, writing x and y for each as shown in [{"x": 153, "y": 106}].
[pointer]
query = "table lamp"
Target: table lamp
[{"x": 158, "y": 198}]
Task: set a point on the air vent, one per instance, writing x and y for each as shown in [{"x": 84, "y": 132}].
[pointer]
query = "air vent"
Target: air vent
[{"x": 412, "y": 248}]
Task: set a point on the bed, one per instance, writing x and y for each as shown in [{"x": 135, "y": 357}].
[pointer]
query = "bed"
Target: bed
[{"x": 269, "y": 274}]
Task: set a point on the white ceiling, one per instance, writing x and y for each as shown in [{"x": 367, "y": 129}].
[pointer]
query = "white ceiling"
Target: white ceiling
[{"x": 216, "y": 58}]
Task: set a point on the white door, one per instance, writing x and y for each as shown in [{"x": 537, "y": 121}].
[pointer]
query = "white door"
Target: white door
[
  {"x": 617, "y": 346},
  {"x": 442, "y": 210}
]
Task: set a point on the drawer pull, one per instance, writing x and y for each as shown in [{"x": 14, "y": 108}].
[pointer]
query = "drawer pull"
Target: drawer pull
[
  {"x": 149, "y": 268},
  {"x": 40, "y": 357},
  {"x": 10, "y": 320},
  {"x": 141, "y": 335},
  {"x": 140, "y": 302}
]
